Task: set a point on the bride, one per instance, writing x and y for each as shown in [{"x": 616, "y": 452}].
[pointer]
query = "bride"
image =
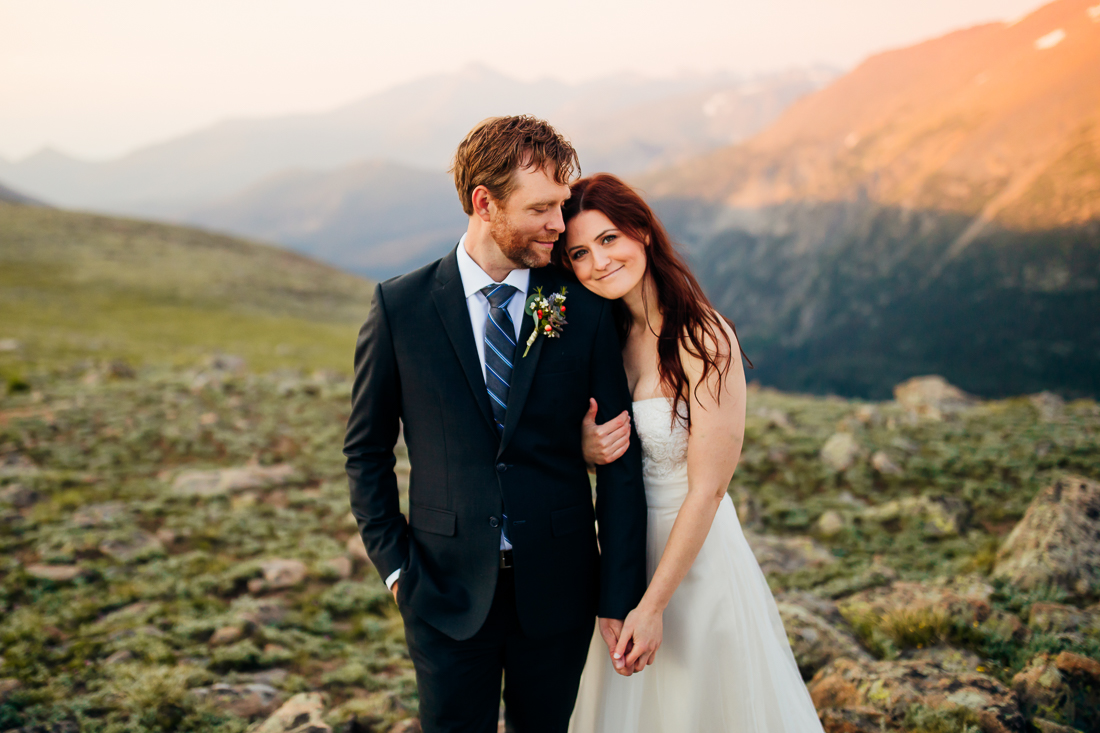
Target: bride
[{"x": 707, "y": 622}]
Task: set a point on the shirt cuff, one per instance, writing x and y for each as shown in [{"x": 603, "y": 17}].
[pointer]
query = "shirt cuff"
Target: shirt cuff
[{"x": 393, "y": 578}]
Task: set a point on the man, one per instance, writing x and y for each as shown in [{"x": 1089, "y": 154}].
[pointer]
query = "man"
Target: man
[{"x": 497, "y": 569}]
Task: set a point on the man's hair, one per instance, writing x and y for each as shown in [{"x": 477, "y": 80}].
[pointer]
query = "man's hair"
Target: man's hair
[{"x": 499, "y": 145}]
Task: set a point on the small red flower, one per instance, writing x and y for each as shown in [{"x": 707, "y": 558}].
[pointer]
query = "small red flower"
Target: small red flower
[
  {"x": 549, "y": 328},
  {"x": 562, "y": 309},
  {"x": 539, "y": 314}
]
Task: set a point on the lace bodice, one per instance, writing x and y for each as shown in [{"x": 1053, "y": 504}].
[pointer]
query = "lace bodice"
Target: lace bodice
[{"x": 664, "y": 444}]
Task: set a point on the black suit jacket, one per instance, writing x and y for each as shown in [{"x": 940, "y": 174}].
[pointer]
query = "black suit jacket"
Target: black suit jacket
[{"x": 416, "y": 361}]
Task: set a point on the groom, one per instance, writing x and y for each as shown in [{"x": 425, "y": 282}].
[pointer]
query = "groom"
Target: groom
[{"x": 497, "y": 569}]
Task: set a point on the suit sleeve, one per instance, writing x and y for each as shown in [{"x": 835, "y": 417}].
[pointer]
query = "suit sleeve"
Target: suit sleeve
[
  {"x": 620, "y": 495},
  {"x": 373, "y": 427}
]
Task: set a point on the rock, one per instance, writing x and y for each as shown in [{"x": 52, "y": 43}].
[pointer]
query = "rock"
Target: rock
[
  {"x": 840, "y": 451},
  {"x": 8, "y": 685},
  {"x": 231, "y": 480},
  {"x": 9, "y": 345},
  {"x": 860, "y": 691},
  {"x": 1058, "y": 540},
  {"x": 120, "y": 370},
  {"x": 19, "y": 496},
  {"x": 938, "y": 516},
  {"x": 882, "y": 463},
  {"x": 122, "y": 655},
  {"x": 829, "y": 524},
  {"x": 814, "y": 641},
  {"x": 246, "y": 701},
  {"x": 279, "y": 573},
  {"x": 774, "y": 417},
  {"x": 56, "y": 573},
  {"x": 260, "y": 611},
  {"x": 1051, "y": 407},
  {"x": 949, "y": 659},
  {"x": 138, "y": 545},
  {"x": 357, "y": 549},
  {"x": 787, "y": 554},
  {"x": 931, "y": 397},
  {"x": 1039, "y": 685},
  {"x": 1077, "y": 664},
  {"x": 299, "y": 714},
  {"x": 166, "y": 536},
  {"x": 867, "y": 415},
  {"x": 340, "y": 566},
  {"x": 99, "y": 515},
  {"x": 1055, "y": 618},
  {"x": 226, "y": 635}
]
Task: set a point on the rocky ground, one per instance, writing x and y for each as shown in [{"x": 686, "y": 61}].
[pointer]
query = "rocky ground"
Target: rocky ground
[{"x": 178, "y": 555}]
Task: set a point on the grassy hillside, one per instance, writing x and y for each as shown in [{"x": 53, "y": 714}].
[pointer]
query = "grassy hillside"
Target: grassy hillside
[{"x": 78, "y": 286}]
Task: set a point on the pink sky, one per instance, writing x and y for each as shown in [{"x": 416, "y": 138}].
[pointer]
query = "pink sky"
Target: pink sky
[{"x": 96, "y": 79}]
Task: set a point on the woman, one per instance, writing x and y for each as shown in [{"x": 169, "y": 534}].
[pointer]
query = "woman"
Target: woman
[{"x": 707, "y": 617}]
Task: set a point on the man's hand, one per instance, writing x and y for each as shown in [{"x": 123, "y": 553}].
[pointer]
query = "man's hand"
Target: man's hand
[
  {"x": 605, "y": 443},
  {"x": 610, "y": 628},
  {"x": 394, "y": 590}
]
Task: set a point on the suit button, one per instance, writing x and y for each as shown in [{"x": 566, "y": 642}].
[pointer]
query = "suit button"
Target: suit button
[
  {"x": 494, "y": 522},
  {"x": 501, "y": 468}
]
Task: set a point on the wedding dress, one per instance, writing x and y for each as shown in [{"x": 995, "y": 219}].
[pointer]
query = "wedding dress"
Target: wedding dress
[{"x": 725, "y": 663}]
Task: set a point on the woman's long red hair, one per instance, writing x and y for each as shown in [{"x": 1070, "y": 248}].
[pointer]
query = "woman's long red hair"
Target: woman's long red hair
[{"x": 689, "y": 320}]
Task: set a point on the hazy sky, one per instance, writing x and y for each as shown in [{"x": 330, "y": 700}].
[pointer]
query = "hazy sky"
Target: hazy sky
[{"x": 99, "y": 78}]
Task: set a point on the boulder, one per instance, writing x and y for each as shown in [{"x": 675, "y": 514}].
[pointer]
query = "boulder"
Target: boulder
[
  {"x": 222, "y": 481},
  {"x": 829, "y": 524},
  {"x": 1058, "y": 540},
  {"x": 338, "y": 566},
  {"x": 964, "y": 598},
  {"x": 299, "y": 714},
  {"x": 1040, "y": 685},
  {"x": 99, "y": 515},
  {"x": 1051, "y": 407},
  {"x": 841, "y": 451},
  {"x": 787, "y": 554},
  {"x": 226, "y": 635},
  {"x": 865, "y": 693},
  {"x": 882, "y": 463},
  {"x": 1079, "y": 665},
  {"x": 1064, "y": 687},
  {"x": 137, "y": 545},
  {"x": 278, "y": 573},
  {"x": 55, "y": 573},
  {"x": 250, "y": 700},
  {"x": 1056, "y": 618},
  {"x": 938, "y": 516},
  {"x": 931, "y": 397},
  {"x": 814, "y": 640}
]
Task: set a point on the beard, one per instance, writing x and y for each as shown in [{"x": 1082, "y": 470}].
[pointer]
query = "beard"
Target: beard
[{"x": 520, "y": 248}]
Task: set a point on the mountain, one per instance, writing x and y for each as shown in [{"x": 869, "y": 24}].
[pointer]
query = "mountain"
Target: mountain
[
  {"x": 84, "y": 286},
  {"x": 377, "y": 218},
  {"x": 14, "y": 197},
  {"x": 937, "y": 209},
  {"x": 418, "y": 124}
]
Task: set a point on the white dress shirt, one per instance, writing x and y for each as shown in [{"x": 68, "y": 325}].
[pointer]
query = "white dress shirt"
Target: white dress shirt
[{"x": 473, "y": 280}]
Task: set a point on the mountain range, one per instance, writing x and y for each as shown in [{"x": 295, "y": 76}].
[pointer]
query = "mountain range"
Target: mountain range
[
  {"x": 937, "y": 209},
  {"x": 418, "y": 124}
]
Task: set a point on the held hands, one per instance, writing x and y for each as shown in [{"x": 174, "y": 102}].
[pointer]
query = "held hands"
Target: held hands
[
  {"x": 605, "y": 443},
  {"x": 633, "y": 643}
]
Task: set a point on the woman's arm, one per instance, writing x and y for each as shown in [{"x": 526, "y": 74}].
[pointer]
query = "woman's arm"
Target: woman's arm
[{"x": 714, "y": 447}]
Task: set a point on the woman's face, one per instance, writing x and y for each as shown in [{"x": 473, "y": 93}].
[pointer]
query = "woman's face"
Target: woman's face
[{"x": 604, "y": 258}]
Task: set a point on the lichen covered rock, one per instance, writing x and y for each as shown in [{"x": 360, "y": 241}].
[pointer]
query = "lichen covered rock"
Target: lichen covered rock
[{"x": 1057, "y": 543}]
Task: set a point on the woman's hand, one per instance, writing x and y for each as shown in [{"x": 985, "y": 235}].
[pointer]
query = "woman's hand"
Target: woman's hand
[
  {"x": 603, "y": 444},
  {"x": 639, "y": 640}
]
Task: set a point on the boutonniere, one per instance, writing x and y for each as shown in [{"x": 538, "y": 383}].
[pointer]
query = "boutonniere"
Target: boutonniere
[{"x": 549, "y": 314}]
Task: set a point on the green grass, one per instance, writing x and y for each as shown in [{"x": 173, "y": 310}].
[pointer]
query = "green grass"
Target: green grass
[{"x": 76, "y": 286}]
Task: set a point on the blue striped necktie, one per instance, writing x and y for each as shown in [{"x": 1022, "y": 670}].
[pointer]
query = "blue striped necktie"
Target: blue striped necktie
[{"x": 500, "y": 349}]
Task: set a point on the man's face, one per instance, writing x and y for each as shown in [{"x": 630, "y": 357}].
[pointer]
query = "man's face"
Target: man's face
[{"x": 526, "y": 224}]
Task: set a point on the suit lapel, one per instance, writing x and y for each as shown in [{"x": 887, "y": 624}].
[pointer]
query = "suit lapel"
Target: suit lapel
[
  {"x": 523, "y": 374},
  {"x": 450, "y": 301}
]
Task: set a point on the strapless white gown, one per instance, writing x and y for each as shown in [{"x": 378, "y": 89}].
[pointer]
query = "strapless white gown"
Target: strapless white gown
[{"x": 725, "y": 663}]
